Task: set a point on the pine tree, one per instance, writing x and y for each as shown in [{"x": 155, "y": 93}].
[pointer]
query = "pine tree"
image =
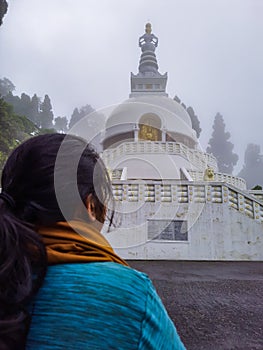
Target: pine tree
[
  {"x": 75, "y": 117},
  {"x": 25, "y": 105},
  {"x": 46, "y": 114},
  {"x": 61, "y": 124},
  {"x": 34, "y": 110},
  {"x": 252, "y": 170},
  {"x": 78, "y": 115},
  {"x": 221, "y": 147}
]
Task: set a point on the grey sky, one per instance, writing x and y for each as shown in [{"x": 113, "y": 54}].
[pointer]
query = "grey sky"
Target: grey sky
[{"x": 82, "y": 51}]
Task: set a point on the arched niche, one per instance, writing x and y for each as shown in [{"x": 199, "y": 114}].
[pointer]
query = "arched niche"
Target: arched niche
[{"x": 150, "y": 128}]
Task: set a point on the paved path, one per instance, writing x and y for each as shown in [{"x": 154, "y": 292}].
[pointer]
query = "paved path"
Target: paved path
[{"x": 215, "y": 305}]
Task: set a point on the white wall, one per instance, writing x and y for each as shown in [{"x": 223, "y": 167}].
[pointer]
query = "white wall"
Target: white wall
[{"x": 218, "y": 232}]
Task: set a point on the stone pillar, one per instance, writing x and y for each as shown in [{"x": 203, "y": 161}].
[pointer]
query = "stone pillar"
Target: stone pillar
[
  {"x": 163, "y": 135},
  {"x": 136, "y": 133}
]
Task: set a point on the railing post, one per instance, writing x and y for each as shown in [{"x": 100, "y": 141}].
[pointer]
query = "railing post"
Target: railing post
[
  {"x": 157, "y": 189},
  {"x": 225, "y": 194},
  {"x": 163, "y": 135},
  {"x": 256, "y": 209},
  {"x": 141, "y": 192},
  {"x": 241, "y": 203},
  {"x": 208, "y": 193},
  {"x": 136, "y": 133}
]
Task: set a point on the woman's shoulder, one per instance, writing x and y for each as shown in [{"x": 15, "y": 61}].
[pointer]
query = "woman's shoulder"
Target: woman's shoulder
[
  {"x": 108, "y": 267},
  {"x": 101, "y": 305},
  {"x": 102, "y": 274}
]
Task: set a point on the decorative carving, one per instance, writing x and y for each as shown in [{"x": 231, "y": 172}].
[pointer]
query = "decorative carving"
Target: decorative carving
[
  {"x": 148, "y": 41},
  {"x": 209, "y": 174}
]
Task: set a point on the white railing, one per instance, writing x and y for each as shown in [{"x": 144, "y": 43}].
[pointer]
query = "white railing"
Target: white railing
[
  {"x": 186, "y": 192},
  {"x": 257, "y": 193},
  {"x": 199, "y": 159},
  {"x": 220, "y": 177}
]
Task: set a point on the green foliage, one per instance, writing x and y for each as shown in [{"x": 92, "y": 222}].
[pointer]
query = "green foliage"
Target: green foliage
[
  {"x": 23, "y": 105},
  {"x": 6, "y": 86},
  {"x": 13, "y": 130},
  {"x": 20, "y": 118},
  {"x": 46, "y": 131},
  {"x": 252, "y": 170},
  {"x": 14, "y": 101},
  {"x": 221, "y": 147}
]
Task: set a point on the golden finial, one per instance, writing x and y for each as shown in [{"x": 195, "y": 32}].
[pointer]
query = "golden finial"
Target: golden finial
[{"x": 148, "y": 28}]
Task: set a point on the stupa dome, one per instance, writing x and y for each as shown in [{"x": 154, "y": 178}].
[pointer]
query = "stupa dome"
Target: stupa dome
[{"x": 161, "y": 112}]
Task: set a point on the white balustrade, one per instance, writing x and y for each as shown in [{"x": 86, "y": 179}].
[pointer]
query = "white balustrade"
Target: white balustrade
[
  {"x": 220, "y": 177},
  {"x": 199, "y": 159},
  {"x": 186, "y": 192}
]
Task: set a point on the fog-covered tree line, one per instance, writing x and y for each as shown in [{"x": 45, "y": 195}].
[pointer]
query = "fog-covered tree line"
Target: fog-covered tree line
[
  {"x": 223, "y": 149},
  {"x": 24, "y": 116},
  {"x": 219, "y": 144},
  {"x": 39, "y": 110}
]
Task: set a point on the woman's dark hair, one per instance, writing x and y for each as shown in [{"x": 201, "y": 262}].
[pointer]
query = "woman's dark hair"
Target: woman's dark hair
[{"x": 28, "y": 200}]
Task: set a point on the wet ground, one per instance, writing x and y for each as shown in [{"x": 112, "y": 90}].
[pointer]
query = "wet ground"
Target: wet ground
[{"x": 214, "y": 305}]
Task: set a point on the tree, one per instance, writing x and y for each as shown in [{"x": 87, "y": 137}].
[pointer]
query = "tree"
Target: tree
[
  {"x": 6, "y": 86},
  {"x": 25, "y": 105},
  {"x": 61, "y": 124},
  {"x": 252, "y": 170},
  {"x": 7, "y": 129},
  {"x": 34, "y": 110},
  {"x": 39, "y": 113},
  {"x": 195, "y": 121},
  {"x": 78, "y": 115},
  {"x": 46, "y": 114},
  {"x": 221, "y": 147},
  {"x": 75, "y": 117},
  {"x": 13, "y": 130},
  {"x": 14, "y": 101},
  {"x": 91, "y": 125}
]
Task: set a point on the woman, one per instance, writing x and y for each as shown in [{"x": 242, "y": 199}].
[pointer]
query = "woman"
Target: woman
[{"x": 88, "y": 297}]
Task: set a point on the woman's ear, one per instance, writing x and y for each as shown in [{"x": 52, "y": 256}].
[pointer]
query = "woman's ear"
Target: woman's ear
[{"x": 90, "y": 205}]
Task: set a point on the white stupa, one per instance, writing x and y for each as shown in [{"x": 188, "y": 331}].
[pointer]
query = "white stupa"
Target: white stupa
[{"x": 173, "y": 202}]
